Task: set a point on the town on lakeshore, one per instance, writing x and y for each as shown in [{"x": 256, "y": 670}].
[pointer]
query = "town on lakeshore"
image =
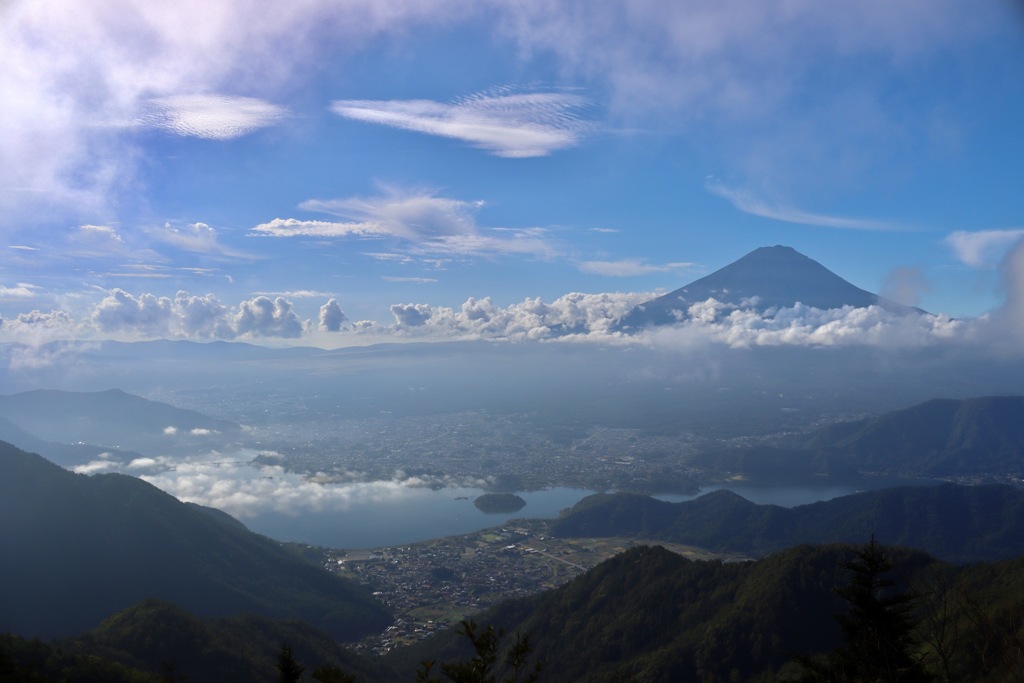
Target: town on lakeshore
[{"x": 433, "y": 585}]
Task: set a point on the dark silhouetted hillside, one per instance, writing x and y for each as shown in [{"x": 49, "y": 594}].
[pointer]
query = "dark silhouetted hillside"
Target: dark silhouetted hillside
[
  {"x": 153, "y": 634},
  {"x": 651, "y": 615},
  {"x": 77, "y": 549}
]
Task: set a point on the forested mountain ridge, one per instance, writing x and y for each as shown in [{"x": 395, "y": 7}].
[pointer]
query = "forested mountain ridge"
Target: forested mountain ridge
[
  {"x": 77, "y": 549},
  {"x": 650, "y": 615},
  {"x": 156, "y": 642},
  {"x": 941, "y": 437},
  {"x": 955, "y": 523},
  {"x": 154, "y": 634},
  {"x": 645, "y": 615}
]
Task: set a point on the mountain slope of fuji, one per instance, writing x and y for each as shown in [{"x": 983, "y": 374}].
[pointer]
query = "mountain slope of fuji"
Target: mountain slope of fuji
[{"x": 768, "y": 277}]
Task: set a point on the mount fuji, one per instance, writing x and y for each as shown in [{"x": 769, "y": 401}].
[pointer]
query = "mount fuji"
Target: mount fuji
[{"x": 768, "y": 277}]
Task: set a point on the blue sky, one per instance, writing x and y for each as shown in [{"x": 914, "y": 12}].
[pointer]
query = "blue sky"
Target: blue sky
[{"x": 330, "y": 172}]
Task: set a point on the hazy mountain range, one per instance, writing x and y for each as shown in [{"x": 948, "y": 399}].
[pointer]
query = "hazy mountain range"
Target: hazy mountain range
[{"x": 113, "y": 421}]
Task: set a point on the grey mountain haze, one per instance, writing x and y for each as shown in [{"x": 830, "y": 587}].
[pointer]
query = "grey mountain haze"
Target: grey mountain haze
[{"x": 111, "y": 419}]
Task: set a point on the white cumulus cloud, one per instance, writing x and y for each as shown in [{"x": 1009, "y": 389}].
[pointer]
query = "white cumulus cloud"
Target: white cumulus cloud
[
  {"x": 983, "y": 248},
  {"x": 194, "y": 317},
  {"x": 248, "y": 490},
  {"x": 714, "y": 322},
  {"x": 532, "y": 318},
  {"x": 331, "y": 316},
  {"x": 263, "y": 317}
]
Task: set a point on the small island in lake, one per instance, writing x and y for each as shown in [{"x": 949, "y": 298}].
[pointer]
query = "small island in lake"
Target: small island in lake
[{"x": 499, "y": 502}]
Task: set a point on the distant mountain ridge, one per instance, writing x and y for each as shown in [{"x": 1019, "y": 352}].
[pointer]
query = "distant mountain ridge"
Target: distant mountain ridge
[
  {"x": 64, "y": 454},
  {"x": 951, "y": 522},
  {"x": 110, "y": 419},
  {"x": 975, "y": 437},
  {"x": 941, "y": 437},
  {"x": 768, "y": 277},
  {"x": 77, "y": 549}
]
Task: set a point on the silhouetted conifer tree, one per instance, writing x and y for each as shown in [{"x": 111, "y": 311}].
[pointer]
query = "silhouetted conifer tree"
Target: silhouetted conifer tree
[
  {"x": 288, "y": 670},
  {"x": 480, "y": 669},
  {"x": 332, "y": 674},
  {"x": 877, "y": 628}
]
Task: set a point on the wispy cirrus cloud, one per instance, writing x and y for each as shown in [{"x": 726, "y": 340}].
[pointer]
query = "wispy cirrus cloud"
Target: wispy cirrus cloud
[
  {"x": 101, "y": 241},
  {"x": 142, "y": 274},
  {"x": 211, "y": 117},
  {"x": 157, "y": 271},
  {"x": 100, "y": 232},
  {"x": 524, "y": 242},
  {"x": 983, "y": 248},
  {"x": 697, "y": 56},
  {"x": 629, "y": 267},
  {"x": 504, "y": 123},
  {"x": 195, "y": 237},
  {"x": 293, "y": 227},
  {"x": 748, "y": 202},
  {"x": 296, "y": 294},
  {"x": 386, "y": 256}
]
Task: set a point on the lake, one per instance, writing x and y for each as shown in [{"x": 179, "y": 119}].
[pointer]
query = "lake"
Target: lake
[{"x": 421, "y": 514}]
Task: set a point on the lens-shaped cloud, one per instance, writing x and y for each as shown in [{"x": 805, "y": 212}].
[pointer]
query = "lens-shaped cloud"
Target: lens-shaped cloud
[
  {"x": 212, "y": 117},
  {"x": 423, "y": 221},
  {"x": 506, "y": 125}
]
